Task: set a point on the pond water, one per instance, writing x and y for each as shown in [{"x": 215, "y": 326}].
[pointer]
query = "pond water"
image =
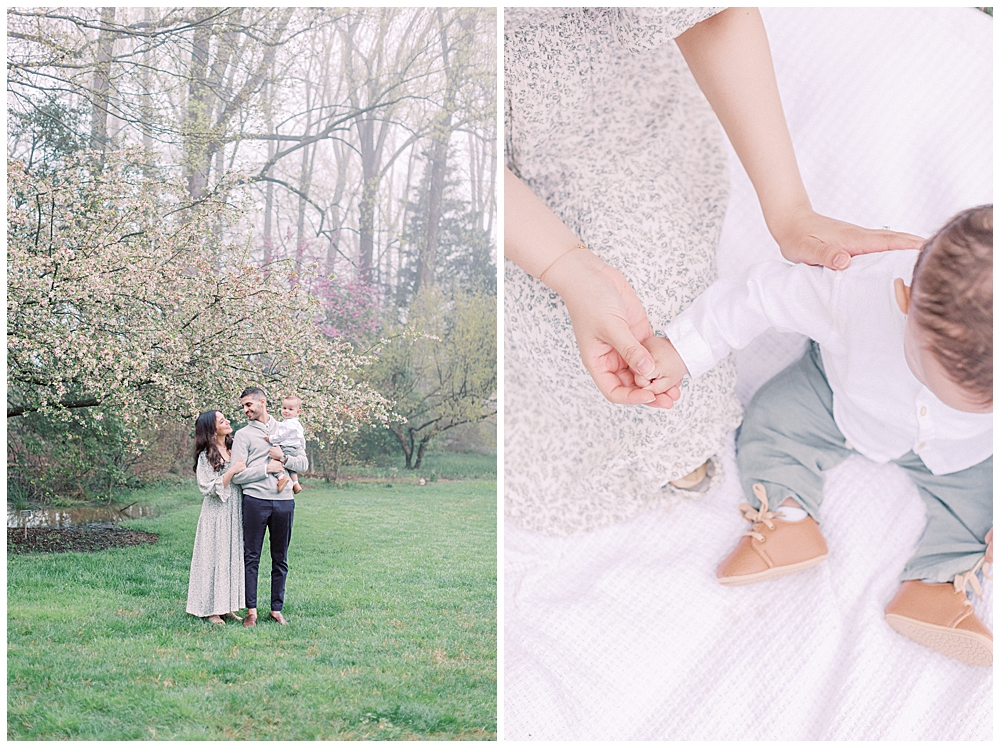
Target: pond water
[{"x": 64, "y": 517}]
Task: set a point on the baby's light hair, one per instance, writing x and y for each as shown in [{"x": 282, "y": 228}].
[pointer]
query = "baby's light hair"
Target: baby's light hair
[
  {"x": 952, "y": 299},
  {"x": 294, "y": 398}
]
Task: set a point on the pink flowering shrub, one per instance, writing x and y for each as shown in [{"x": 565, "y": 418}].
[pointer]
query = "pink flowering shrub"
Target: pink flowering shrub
[{"x": 349, "y": 309}]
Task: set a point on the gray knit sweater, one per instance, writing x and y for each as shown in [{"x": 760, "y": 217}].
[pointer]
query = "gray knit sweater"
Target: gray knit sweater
[{"x": 250, "y": 445}]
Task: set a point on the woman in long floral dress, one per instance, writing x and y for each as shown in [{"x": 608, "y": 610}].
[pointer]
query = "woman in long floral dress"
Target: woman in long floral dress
[
  {"x": 614, "y": 195},
  {"x": 216, "y": 589}
]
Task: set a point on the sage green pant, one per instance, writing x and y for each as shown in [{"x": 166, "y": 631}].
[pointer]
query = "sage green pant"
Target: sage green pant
[{"x": 789, "y": 439}]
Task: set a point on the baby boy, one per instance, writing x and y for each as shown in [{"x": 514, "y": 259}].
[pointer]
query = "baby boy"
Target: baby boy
[
  {"x": 900, "y": 369},
  {"x": 289, "y": 435}
]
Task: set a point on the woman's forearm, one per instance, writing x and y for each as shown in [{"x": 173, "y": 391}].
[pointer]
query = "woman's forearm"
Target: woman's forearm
[
  {"x": 534, "y": 237},
  {"x": 237, "y": 467},
  {"x": 730, "y": 58},
  {"x": 608, "y": 319}
]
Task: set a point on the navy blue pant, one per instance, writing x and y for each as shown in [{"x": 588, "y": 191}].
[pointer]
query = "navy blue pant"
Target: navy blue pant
[{"x": 275, "y": 517}]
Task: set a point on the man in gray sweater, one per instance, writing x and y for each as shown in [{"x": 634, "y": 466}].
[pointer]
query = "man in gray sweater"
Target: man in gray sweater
[{"x": 264, "y": 506}]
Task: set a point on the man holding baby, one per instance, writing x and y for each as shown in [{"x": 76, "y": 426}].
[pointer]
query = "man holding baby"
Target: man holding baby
[{"x": 265, "y": 507}]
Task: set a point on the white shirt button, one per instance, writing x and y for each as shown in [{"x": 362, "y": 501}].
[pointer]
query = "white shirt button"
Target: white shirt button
[{"x": 923, "y": 410}]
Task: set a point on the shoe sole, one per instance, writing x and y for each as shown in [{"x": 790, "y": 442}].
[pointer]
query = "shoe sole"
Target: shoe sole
[
  {"x": 772, "y": 573},
  {"x": 964, "y": 646}
]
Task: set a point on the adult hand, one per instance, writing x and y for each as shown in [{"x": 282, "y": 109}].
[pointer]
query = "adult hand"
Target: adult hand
[
  {"x": 806, "y": 236},
  {"x": 609, "y": 323},
  {"x": 275, "y": 467},
  {"x": 237, "y": 467},
  {"x": 671, "y": 367},
  {"x": 275, "y": 453}
]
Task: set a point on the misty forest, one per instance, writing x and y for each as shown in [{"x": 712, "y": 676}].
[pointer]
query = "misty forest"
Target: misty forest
[{"x": 204, "y": 199}]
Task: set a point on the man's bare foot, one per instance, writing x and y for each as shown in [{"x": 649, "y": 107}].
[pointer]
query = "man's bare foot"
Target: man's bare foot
[{"x": 251, "y": 619}]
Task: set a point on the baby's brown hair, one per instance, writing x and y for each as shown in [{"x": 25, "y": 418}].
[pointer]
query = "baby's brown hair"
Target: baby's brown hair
[{"x": 952, "y": 298}]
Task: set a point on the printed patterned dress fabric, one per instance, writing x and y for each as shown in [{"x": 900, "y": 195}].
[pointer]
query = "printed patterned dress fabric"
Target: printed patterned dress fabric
[
  {"x": 217, "y": 578},
  {"x": 604, "y": 122}
]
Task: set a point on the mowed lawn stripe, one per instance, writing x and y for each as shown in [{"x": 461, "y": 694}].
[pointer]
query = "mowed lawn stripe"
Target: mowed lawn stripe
[{"x": 391, "y": 598}]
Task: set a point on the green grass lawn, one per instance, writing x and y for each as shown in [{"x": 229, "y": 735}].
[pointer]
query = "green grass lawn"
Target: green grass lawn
[
  {"x": 391, "y": 601},
  {"x": 435, "y": 465}
]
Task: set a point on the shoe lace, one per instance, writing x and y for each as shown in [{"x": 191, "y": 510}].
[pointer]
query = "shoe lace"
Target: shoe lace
[
  {"x": 758, "y": 516},
  {"x": 969, "y": 578}
]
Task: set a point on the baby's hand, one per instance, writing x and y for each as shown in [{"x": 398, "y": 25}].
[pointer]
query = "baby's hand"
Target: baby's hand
[
  {"x": 671, "y": 367},
  {"x": 267, "y": 439}
]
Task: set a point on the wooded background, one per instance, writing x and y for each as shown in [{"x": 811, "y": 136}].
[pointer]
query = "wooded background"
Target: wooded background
[{"x": 201, "y": 199}]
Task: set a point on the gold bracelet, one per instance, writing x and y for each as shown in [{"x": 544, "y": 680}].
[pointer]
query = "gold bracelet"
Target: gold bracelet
[{"x": 579, "y": 245}]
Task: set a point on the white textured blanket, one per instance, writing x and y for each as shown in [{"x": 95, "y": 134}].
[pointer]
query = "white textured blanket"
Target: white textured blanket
[{"x": 624, "y": 633}]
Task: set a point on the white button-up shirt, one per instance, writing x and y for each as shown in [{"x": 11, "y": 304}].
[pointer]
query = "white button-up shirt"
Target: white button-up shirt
[{"x": 879, "y": 406}]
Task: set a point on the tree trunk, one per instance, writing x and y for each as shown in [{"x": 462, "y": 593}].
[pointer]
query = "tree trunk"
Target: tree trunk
[
  {"x": 101, "y": 86},
  {"x": 405, "y": 439},
  {"x": 268, "y": 256},
  {"x": 305, "y": 182},
  {"x": 335, "y": 214},
  {"x": 441, "y": 135},
  {"x": 401, "y": 291},
  {"x": 420, "y": 452},
  {"x": 197, "y": 159},
  {"x": 268, "y": 213},
  {"x": 369, "y": 194},
  {"x": 432, "y": 230},
  {"x": 147, "y": 110}
]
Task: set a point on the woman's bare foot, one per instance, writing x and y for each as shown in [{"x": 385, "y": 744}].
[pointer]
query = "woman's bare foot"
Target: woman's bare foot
[
  {"x": 216, "y": 619},
  {"x": 232, "y": 617}
]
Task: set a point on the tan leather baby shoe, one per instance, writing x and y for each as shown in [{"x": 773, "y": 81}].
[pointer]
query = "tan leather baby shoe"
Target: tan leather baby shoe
[
  {"x": 771, "y": 547},
  {"x": 940, "y": 616}
]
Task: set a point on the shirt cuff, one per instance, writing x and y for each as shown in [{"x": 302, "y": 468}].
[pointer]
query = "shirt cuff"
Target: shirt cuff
[{"x": 695, "y": 352}]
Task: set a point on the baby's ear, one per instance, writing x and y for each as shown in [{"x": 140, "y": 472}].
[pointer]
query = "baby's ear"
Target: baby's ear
[{"x": 902, "y": 295}]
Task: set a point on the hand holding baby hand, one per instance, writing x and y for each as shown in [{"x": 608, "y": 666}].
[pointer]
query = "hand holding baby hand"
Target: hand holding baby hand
[{"x": 672, "y": 369}]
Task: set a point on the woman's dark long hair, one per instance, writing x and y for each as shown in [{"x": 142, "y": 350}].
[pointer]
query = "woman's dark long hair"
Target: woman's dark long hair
[{"x": 204, "y": 441}]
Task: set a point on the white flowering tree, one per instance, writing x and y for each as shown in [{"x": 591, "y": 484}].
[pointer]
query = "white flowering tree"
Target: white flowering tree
[{"x": 121, "y": 298}]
